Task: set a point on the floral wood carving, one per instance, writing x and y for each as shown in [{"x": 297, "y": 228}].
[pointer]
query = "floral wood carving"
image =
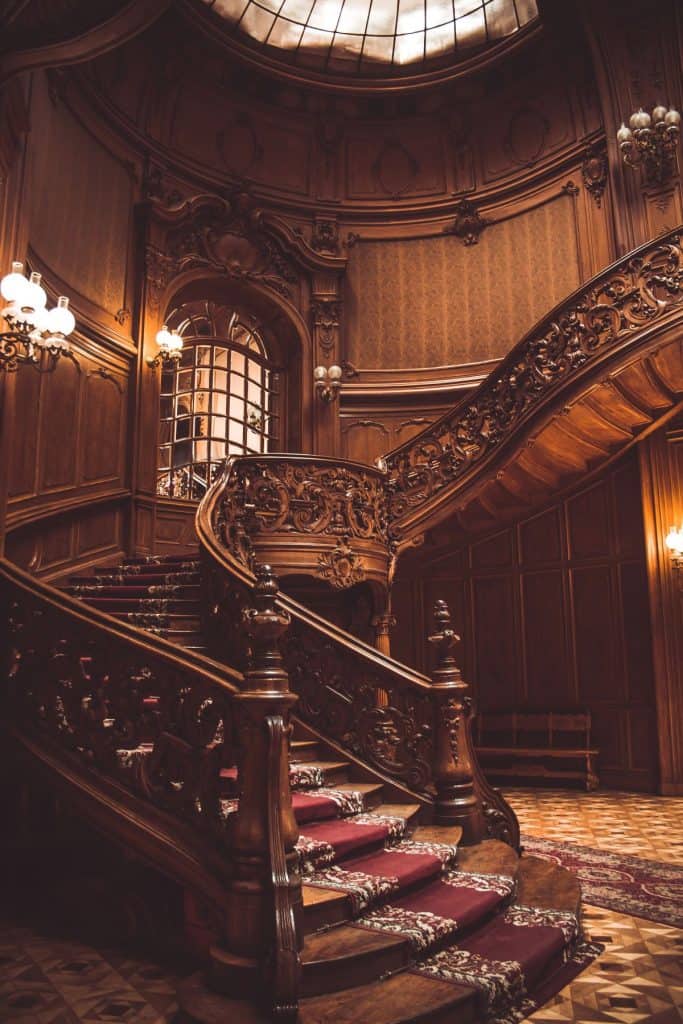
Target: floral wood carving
[
  {"x": 326, "y": 318},
  {"x": 594, "y": 173},
  {"x": 305, "y": 495},
  {"x": 468, "y": 224},
  {"x": 128, "y": 714},
  {"x": 223, "y": 235},
  {"x": 341, "y": 566},
  {"x": 643, "y": 288},
  {"x": 325, "y": 237}
]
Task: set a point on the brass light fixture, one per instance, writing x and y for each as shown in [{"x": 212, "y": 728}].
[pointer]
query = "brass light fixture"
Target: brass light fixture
[
  {"x": 651, "y": 140},
  {"x": 36, "y": 336},
  {"x": 328, "y": 382},
  {"x": 170, "y": 348}
]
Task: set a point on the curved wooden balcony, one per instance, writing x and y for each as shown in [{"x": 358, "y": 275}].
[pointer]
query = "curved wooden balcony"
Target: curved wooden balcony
[{"x": 309, "y": 515}]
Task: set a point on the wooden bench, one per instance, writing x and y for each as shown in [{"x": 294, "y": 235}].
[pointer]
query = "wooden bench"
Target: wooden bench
[{"x": 534, "y": 744}]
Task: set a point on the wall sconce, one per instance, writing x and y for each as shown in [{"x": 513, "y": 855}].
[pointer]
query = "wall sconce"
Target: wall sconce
[
  {"x": 170, "y": 348},
  {"x": 651, "y": 140},
  {"x": 328, "y": 382},
  {"x": 674, "y": 542},
  {"x": 41, "y": 333}
]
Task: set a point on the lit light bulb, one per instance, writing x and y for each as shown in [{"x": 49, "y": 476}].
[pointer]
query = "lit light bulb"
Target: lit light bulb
[
  {"x": 164, "y": 338},
  {"x": 335, "y": 372},
  {"x": 672, "y": 118},
  {"x": 674, "y": 540},
  {"x": 60, "y": 319},
  {"x": 320, "y": 373},
  {"x": 659, "y": 114},
  {"x": 35, "y": 297},
  {"x": 13, "y": 285},
  {"x": 175, "y": 342}
]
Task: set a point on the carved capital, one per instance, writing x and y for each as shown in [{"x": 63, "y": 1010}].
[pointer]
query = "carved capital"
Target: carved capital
[{"x": 326, "y": 315}]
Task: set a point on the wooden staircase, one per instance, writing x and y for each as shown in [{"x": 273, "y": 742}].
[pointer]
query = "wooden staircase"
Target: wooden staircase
[{"x": 400, "y": 921}]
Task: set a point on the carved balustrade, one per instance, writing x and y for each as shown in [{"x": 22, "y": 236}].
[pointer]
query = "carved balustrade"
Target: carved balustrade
[
  {"x": 126, "y": 713},
  {"x": 307, "y": 515},
  {"x": 411, "y": 730},
  {"x": 112, "y": 708},
  {"x": 633, "y": 295}
]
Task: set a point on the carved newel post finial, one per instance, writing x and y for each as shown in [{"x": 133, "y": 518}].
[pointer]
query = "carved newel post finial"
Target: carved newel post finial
[
  {"x": 456, "y": 802},
  {"x": 263, "y": 934}
]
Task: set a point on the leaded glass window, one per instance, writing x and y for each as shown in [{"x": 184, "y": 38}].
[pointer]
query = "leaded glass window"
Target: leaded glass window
[{"x": 219, "y": 400}]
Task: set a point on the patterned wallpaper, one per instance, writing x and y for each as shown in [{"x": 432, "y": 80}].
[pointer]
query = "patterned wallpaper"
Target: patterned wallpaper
[{"x": 436, "y": 302}]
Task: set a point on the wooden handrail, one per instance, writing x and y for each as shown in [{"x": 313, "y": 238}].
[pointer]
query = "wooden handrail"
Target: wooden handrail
[{"x": 635, "y": 294}]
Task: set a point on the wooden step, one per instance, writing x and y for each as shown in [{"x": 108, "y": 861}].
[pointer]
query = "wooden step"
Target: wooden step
[
  {"x": 303, "y": 750},
  {"x": 334, "y": 772},
  {"x": 403, "y": 999}
]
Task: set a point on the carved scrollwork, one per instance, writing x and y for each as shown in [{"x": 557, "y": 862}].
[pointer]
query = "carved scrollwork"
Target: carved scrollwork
[
  {"x": 636, "y": 293},
  {"x": 338, "y": 694},
  {"x": 307, "y": 496},
  {"x": 144, "y": 722},
  {"x": 341, "y": 566}
]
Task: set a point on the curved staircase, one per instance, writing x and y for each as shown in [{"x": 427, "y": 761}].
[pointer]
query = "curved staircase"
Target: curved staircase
[
  {"x": 362, "y": 870},
  {"x": 401, "y": 922}
]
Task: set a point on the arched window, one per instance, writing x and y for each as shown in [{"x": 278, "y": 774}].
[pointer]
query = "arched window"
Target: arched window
[{"x": 220, "y": 399}]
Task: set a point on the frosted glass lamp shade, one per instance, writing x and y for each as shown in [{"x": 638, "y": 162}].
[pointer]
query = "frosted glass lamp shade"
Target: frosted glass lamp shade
[
  {"x": 175, "y": 342},
  {"x": 35, "y": 297},
  {"x": 14, "y": 285},
  {"x": 60, "y": 319}
]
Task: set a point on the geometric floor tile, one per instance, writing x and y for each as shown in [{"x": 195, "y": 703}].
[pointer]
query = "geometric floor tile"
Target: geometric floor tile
[{"x": 639, "y": 977}]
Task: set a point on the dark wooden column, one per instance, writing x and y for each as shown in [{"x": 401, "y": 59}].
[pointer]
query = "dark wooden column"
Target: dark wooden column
[{"x": 661, "y": 465}]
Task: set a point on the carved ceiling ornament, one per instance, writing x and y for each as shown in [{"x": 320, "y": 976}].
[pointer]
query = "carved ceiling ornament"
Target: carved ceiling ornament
[
  {"x": 341, "y": 567},
  {"x": 468, "y": 223},
  {"x": 594, "y": 172}
]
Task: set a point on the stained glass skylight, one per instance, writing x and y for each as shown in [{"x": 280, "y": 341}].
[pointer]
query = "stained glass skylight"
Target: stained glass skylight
[{"x": 358, "y": 35}]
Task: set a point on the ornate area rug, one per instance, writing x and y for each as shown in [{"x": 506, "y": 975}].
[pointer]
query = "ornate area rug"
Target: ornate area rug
[{"x": 629, "y": 885}]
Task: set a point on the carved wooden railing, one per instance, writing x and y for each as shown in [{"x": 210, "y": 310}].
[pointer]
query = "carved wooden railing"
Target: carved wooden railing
[
  {"x": 634, "y": 296},
  {"x": 412, "y": 731},
  {"x": 308, "y": 514},
  {"x": 137, "y": 732}
]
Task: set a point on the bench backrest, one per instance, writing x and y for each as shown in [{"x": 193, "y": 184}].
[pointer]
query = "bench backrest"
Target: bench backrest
[{"x": 516, "y": 727}]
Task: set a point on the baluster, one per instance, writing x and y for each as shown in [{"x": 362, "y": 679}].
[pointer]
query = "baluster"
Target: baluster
[
  {"x": 263, "y": 915},
  {"x": 456, "y": 800}
]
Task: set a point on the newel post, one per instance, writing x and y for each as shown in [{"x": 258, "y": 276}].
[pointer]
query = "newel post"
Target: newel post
[
  {"x": 259, "y": 956},
  {"x": 456, "y": 799}
]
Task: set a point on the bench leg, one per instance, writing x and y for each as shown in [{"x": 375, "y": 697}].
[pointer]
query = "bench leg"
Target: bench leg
[{"x": 592, "y": 781}]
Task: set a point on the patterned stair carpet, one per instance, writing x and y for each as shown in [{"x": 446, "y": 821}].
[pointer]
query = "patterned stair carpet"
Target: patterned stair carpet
[
  {"x": 456, "y": 925},
  {"x": 627, "y": 884}
]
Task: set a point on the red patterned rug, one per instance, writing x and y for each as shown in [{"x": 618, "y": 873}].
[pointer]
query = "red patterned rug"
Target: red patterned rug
[{"x": 629, "y": 885}]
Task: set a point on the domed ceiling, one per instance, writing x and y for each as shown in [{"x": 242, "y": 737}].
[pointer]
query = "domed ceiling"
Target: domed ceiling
[{"x": 375, "y": 36}]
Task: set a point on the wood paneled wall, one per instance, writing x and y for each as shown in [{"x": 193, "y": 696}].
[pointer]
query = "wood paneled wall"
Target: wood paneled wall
[
  {"x": 553, "y": 614},
  {"x": 68, "y": 461}
]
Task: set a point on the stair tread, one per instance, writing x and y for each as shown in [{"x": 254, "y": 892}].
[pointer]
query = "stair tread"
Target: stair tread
[
  {"x": 398, "y": 1000},
  {"x": 345, "y": 942}
]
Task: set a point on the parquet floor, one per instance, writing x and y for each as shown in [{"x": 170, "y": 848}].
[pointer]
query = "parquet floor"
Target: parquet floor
[
  {"x": 639, "y": 977},
  {"x": 46, "y": 979}
]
